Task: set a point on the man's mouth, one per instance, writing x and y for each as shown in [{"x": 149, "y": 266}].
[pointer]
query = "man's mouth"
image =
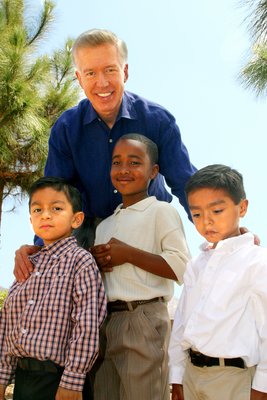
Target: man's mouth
[{"x": 104, "y": 94}]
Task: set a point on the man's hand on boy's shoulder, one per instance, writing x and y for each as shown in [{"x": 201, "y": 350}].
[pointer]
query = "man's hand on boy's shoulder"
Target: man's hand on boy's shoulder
[
  {"x": 255, "y": 395},
  {"x": 23, "y": 266},
  {"x": 66, "y": 394},
  {"x": 177, "y": 392}
]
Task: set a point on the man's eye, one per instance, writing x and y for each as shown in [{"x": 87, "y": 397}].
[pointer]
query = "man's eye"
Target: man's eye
[{"x": 89, "y": 74}]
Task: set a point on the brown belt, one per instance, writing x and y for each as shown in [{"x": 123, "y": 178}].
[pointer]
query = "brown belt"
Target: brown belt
[
  {"x": 201, "y": 360},
  {"x": 119, "y": 305}
]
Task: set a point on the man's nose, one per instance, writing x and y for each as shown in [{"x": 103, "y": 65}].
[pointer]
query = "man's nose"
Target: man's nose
[{"x": 102, "y": 80}]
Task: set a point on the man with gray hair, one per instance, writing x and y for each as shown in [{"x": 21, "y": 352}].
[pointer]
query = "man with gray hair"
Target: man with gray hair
[{"x": 83, "y": 138}]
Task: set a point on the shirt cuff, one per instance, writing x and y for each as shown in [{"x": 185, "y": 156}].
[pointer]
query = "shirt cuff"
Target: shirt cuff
[
  {"x": 6, "y": 376},
  {"x": 72, "y": 381},
  {"x": 176, "y": 374},
  {"x": 260, "y": 381}
]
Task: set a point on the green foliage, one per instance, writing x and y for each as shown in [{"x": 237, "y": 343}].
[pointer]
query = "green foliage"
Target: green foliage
[
  {"x": 34, "y": 91},
  {"x": 254, "y": 74},
  {"x": 3, "y": 294}
]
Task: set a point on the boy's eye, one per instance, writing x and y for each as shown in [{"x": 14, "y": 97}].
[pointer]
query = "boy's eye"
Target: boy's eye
[
  {"x": 57, "y": 208},
  {"x": 36, "y": 210},
  {"x": 115, "y": 162},
  {"x": 135, "y": 163},
  {"x": 195, "y": 215},
  {"x": 218, "y": 211}
]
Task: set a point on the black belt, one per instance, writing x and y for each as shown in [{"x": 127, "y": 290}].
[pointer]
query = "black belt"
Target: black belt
[
  {"x": 200, "y": 360},
  {"x": 119, "y": 305},
  {"x": 32, "y": 364}
]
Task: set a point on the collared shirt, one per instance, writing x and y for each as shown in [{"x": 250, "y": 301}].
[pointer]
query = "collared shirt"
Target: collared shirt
[
  {"x": 81, "y": 145},
  {"x": 223, "y": 308},
  {"x": 153, "y": 226},
  {"x": 55, "y": 314}
]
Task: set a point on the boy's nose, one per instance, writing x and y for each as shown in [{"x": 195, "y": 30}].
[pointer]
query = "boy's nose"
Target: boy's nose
[{"x": 46, "y": 214}]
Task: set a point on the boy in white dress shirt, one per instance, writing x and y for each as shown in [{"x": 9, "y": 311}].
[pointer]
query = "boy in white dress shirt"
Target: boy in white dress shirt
[
  {"x": 218, "y": 347},
  {"x": 143, "y": 247}
]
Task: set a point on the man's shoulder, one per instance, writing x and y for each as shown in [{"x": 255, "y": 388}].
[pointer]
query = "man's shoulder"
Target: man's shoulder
[
  {"x": 75, "y": 112},
  {"x": 142, "y": 104}
]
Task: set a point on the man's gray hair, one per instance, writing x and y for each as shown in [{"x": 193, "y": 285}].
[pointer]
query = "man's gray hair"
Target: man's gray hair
[{"x": 97, "y": 37}]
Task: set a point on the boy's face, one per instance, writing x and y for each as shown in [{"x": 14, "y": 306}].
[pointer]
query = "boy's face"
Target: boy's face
[
  {"x": 215, "y": 214},
  {"x": 132, "y": 170},
  {"x": 52, "y": 216}
]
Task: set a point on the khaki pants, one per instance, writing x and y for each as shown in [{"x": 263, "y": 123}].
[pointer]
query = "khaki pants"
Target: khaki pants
[
  {"x": 135, "y": 365},
  {"x": 217, "y": 383}
]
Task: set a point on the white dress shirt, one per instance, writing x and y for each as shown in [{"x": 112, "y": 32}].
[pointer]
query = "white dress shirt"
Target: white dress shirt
[
  {"x": 222, "y": 311},
  {"x": 153, "y": 226}
]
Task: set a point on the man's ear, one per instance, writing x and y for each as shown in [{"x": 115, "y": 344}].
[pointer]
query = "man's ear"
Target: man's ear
[
  {"x": 243, "y": 207},
  {"x": 78, "y": 76},
  {"x": 126, "y": 72},
  {"x": 78, "y": 218}
]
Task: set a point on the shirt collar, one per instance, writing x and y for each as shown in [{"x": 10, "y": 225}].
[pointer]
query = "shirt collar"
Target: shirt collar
[
  {"x": 56, "y": 249},
  {"x": 127, "y": 110},
  {"x": 230, "y": 244},
  {"x": 140, "y": 206}
]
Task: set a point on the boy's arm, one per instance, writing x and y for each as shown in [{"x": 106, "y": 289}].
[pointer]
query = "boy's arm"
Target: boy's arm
[
  {"x": 117, "y": 253},
  {"x": 177, "y": 392},
  {"x": 255, "y": 395},
  {"x": 66, "y": 394},
  {"x": 171, "y": 248},
  {"x": 88, "y": 313},
  {"x": 2, "y": 392}
]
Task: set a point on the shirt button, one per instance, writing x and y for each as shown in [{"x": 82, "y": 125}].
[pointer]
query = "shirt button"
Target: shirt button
[
  {"x": 115, "y": 191},
  {"x": 110, "y": 140},
  {"x": 31, "y": 302},
  {"x": 37, "y": 273},
  {"x": 23, "y": 331}
]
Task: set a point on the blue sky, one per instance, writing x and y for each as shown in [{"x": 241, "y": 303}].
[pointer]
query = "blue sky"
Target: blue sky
[{"x": 185, "y": 56}]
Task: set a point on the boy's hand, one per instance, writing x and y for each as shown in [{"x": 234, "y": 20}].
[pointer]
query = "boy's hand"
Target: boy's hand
[
  {"x": 177, "y": 392},
  {"x": 23, "y": 266},
  {"x": 66, "y": 394},
  {"x": 2, "y": 392},
  {"x": 101, "y": 253},
  {"x": 255, "y": 395}
]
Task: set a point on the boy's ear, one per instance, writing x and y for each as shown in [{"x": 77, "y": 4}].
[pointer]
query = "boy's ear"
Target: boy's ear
[
  {"x": 243, "y": 207},
  {"x": 78, "y": 218},
  {"x": 155, "y": 171}
]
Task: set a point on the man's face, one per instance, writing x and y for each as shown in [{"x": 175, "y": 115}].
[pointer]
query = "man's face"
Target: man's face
[{"x": 102, "y": 75}]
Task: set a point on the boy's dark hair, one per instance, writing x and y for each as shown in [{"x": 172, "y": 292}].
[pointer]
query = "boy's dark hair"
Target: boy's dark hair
[
  {"x": 218, "y": 176},
  {"x": 60, "y": 185},
  {"x": 151, "y": 147}
]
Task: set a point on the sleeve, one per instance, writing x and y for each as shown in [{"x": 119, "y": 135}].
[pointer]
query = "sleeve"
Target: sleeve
[
  {"x": 174, "y": 246},
  {"x": 59, "y": 160},
  {"x": 260, "y": 302},
  {"x": 174, "y": 162},
  {"x": 177, "y": 356},
  {"x": 7, "y": 363},
  {"x": 89, "y": 312}
]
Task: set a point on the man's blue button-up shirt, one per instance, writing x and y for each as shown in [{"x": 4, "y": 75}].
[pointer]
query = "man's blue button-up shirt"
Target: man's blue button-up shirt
[{"x": 81, "y": 145}]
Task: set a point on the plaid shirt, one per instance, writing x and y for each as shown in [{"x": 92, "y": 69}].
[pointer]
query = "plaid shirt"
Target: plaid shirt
[{"x": 56, "y": 314}]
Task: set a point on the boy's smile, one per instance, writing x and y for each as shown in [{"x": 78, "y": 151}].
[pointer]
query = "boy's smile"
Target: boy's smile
[
  {"x": 132, "y": 170},
  {"x": 215, "y": 214}
]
